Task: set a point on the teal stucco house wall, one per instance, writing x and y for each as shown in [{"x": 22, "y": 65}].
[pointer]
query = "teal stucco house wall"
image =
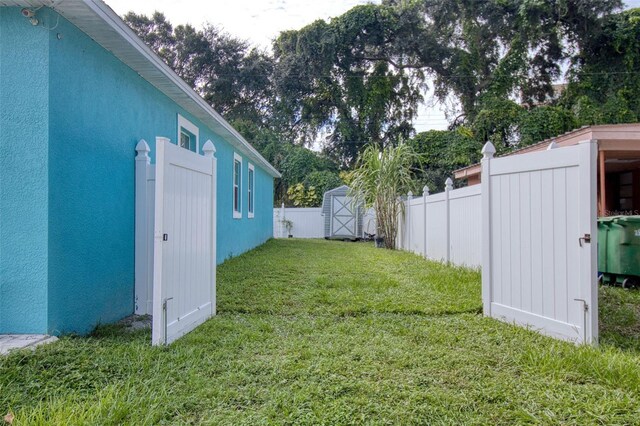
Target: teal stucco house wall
[{"x": 78, "y": 90}]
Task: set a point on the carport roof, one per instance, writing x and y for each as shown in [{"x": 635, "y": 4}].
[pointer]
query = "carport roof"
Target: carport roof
[{"x": 105, "y": 27}]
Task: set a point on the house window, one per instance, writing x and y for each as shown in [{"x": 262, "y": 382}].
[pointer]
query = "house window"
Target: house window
[
  {"x": 251, "y": 185},
  {"x": 188, "y": 135},
  {"x": 237, "y": 179}
]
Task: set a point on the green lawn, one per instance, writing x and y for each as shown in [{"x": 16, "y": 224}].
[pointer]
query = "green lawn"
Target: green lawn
[{"x": 317, "y": 332}]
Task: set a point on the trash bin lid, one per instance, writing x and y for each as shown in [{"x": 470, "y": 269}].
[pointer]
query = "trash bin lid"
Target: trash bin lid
[
  {"x": 606, "y": 219},
  {"x": 630, "y": 219}
]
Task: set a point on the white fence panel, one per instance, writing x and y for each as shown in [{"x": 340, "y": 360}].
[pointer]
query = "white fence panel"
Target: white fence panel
[
  {"x": 444, "y": 227},
  {"x": 307, "y": 222},
  {"x": 538, "y": 216},
  {"x": 465, "y": 227},
  {"x": 415, "y": 225},
  {"x": 436, "y": 227}
]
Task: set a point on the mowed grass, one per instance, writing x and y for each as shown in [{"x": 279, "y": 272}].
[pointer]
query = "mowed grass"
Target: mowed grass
[{"x": 317, "y": 332}]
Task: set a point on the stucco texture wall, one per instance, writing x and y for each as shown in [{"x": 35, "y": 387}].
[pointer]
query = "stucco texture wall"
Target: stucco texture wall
[
  {"x": 99, "y": 109},
  {"x": 24, "y": 118}
]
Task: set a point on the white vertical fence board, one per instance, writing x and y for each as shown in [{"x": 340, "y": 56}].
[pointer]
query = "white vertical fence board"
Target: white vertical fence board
[
  {"x": 560, "y": 244},
  {"x": 502, "y": 236},
  {"x": 548, "y": 249},
  {"x": 526, "y": 242},
  {"x": 537, "y": 214},
  {"x": 574, "y": 309},
  {"x": 515, "y": 219},
  {"x": 496, "y": 249}
]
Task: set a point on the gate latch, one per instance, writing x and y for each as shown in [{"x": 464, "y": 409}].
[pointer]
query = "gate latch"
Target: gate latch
[
  {"x": 586, "y": 239},
  {"x": 165, "y": 237}
]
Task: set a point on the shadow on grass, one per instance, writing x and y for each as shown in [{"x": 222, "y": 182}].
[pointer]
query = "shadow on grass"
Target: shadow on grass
[{"x": 118, "y": 333}]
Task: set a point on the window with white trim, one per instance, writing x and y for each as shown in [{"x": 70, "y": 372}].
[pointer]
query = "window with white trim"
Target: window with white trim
[
  {"x": 188, "y": 135},
  {"x": 237, "y": 186},
  {"x": 251, "y": 190}
]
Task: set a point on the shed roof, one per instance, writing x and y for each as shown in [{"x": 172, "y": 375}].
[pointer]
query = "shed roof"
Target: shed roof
[
  {"x": 105, "y": 27},
  {"x": 340, "y": 189}
]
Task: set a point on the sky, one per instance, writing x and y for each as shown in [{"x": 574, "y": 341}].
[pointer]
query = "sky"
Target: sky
[{"x": 260, "y": 21}]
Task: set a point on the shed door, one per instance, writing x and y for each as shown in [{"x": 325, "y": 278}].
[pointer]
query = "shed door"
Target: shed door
[
  {"x": 539, "y": 266},
  {"x": 184, "y": 242},
  {"x": 343, "y": 221}
]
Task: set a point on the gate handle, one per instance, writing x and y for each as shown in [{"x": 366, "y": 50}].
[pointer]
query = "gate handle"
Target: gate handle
[{"x": 586, "y": 238}]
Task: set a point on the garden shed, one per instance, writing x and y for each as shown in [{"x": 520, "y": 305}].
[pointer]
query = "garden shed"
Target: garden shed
[{"x": 342, "y": 214}]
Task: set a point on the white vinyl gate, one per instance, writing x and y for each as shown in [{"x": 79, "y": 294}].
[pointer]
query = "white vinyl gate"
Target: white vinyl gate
[
  {"x": 539, "y": 240},
  {"x": 175, "y": 239}
]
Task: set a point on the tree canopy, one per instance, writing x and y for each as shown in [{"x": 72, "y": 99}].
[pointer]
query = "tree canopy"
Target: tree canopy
[{"x": 358, "y": 79}]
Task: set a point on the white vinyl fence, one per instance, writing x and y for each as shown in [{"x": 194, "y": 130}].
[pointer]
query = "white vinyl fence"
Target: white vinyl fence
[
  {"x": 445, "y": 227},
  {"x": 309, "y": 222}
]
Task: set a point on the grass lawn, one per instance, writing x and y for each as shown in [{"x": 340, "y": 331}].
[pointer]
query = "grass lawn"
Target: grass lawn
[{"x": 317, "y": 332}]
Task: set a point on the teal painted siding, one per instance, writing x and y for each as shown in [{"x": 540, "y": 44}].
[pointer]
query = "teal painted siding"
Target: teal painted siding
[
  {"x": 98, "y": 110},
  {"x": 24, "y": 118}
]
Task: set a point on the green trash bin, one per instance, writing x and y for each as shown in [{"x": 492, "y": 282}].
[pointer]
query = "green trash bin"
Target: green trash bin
[
  {"x": 619, "y": 250},
  {"x": 604, "y": 225}
]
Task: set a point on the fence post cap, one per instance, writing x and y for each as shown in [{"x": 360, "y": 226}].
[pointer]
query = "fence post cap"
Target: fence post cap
[
  {"x": 142, "y": 149},
  {"x": 552, "y": 145},
  {"x": 425, "y": 190},
  {"x": 409, "y": 195},
  {"x": 488, "y": 150},
  {"x": 448, "y": 184},
  {"x": 209, "y": 149}
]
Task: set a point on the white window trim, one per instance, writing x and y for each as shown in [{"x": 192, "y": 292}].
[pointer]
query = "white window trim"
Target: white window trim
[
  {"x": 236, "y": 214},
  {"x": 251, "y": 202},
  {"x": 183, "y": 123}
]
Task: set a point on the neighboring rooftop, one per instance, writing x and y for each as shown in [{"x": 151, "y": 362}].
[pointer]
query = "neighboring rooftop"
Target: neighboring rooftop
[{"x": 618, "y": 136}]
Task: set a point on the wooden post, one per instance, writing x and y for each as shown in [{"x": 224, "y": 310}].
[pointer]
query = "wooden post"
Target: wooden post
[
  {"x": 141, "y": 276},
  {"x": 209, "y": 151},
  {"x": 603, "y": 210},
  {"x": 488, "y": 151},
  {"x": 425, "y": 195}
]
